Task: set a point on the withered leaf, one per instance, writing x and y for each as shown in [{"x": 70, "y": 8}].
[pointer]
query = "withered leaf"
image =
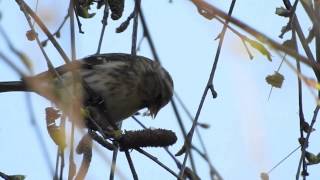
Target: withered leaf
[
  {"x": 275, "y": 80},
  {"x": 264, "y": 176}
]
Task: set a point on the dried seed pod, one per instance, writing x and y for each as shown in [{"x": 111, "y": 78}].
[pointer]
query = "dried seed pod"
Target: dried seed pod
[
  {"x": 116, "y": 7},
  {"x": 125, "y": 24},
  {"x": 51, "y": 115},
  {"x": 147, "y": 138},
  {"x": 85, "y": 145},
  {"x": 264, "y": 176},
  {"x": 31, "y": 35}
]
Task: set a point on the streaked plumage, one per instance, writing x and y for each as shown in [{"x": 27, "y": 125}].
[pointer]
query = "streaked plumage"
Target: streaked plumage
[{"x": 126, "y": 84}]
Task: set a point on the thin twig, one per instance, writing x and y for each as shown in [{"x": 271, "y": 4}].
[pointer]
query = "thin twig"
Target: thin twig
[
  {"x": 36, "y": 9},
  {"x": 317, "y": 31},
  {"x": 44, "y": 149},
  {"x": 140, "y": 42},
  {"x": 146, "y": 33},
  {"x": 158, "y": 162},
  {"x": 133, "y": 171},
  {"x": 55, "y": 176},
  {"x": 178, "y": 163},
  {"x": 291, "y": 18},
  {"x": 213, "y": 171},
  {"x": 78, "y": 21},
  {"x": 135, "y": 27},
  {"x": 209, "y": 84},
  {"x": 104, "y": 22},
  {"x": 246, "y": 47},
  {"x": 313, "y": 15},
  {"x": 300, "y": 99},
  {"x": 277, "y": 71},
  {"x": 60, "y": 149},
  {"x": 27, "y": 10},
  {"x": 11, "y": 65},
  {"x": 260, "y": 36},
  {"x": 24, "y": 7},
  {"x": 58, "y": 30},
  {"x": 39, "y": 135},
  {"x": 304, "y": 43},
  {"x": 156, "y": 57},
  {"x": 102, "y": 141},
  {"x": 61, "y": 155},
  {"x": 15, "y": 51},
  {"x": 114, "y": 161},
  {"x": 183, "y": 130},
  {"x": 73, "y": 58},
  {"x": 165, "y": 148},
  {"x": 282, "y": 160},
  {"x": 306, "y": 141}
]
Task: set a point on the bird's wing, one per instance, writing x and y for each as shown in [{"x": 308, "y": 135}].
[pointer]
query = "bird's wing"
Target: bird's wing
[{"x": 90, "y": 61}]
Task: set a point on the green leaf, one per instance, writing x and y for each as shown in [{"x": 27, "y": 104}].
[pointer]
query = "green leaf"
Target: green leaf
[
  {"x": 281, "y": 11},
  {"x": 182, "y": 150},
  {"x": 83, "y": 7},
  {"x": 275, "y": 80},
  {"x": 289, "y": 44},
  {"x": 84, "y": 12},
  {"x": 312, "y": 158},
  {"x": 16, "y": 177},
  {"x": 258, "y": 46}
]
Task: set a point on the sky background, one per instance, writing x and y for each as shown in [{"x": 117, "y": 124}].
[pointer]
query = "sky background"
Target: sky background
[{"x": 248, "y": 133}]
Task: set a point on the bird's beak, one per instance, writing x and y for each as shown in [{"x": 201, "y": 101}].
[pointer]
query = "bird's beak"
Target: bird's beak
[{"x": 153, "y": 111}]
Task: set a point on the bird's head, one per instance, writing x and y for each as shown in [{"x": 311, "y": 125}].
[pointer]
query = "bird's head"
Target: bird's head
[{"x": 157, "y": 88}]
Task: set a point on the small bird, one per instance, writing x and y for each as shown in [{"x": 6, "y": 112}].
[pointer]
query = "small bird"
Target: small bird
[{"x": 112, "y": 86}]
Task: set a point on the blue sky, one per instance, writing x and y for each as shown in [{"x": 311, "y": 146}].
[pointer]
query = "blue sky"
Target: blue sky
[{"x": 249, "y": 134}]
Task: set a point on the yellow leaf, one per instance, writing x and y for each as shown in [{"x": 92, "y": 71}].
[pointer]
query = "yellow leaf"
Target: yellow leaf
[
  {"x": 57, "y": 134},
  {"x": 258, "y": 46},
  {"x": 275, "y": 80},
  {"x": 312, "y": 83}
]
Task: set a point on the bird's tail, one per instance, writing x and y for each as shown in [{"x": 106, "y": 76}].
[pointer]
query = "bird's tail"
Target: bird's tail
[{"x": 13, "y": 86}]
